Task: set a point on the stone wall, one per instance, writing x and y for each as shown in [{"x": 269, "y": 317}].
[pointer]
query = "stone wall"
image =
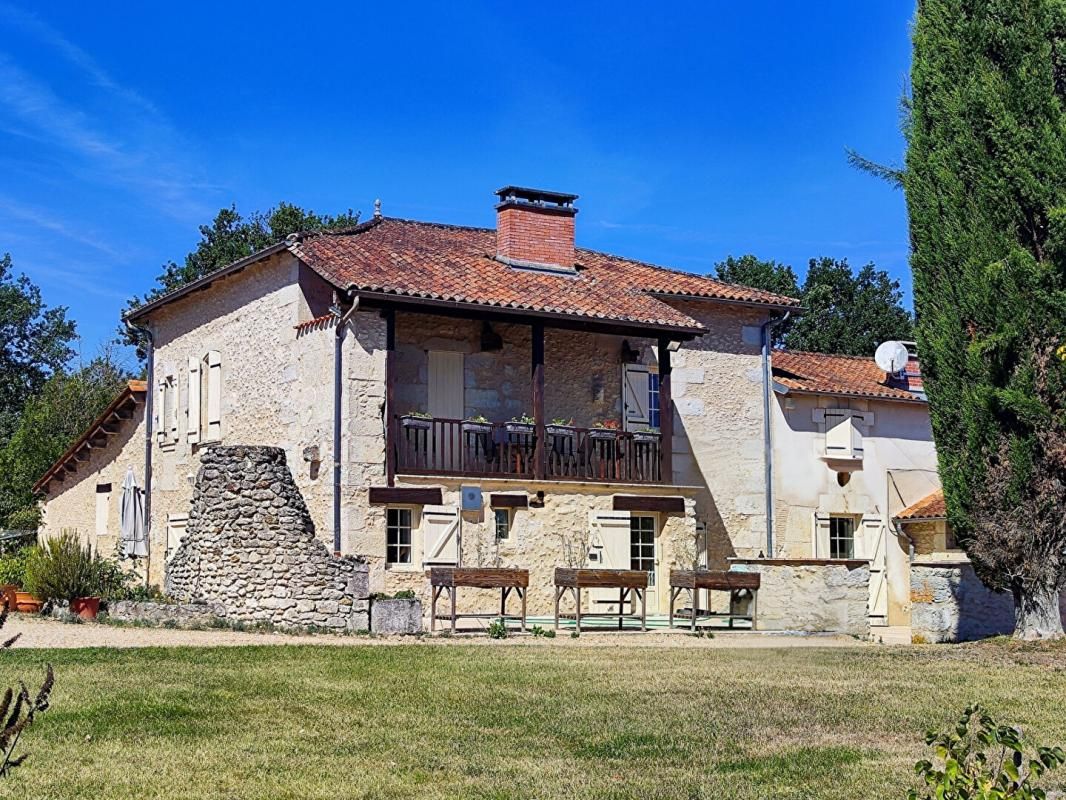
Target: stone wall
[
  {"x": 811, "y": 595},
  {"x": 251, "y": 548},
  {"x": 180, "y": 615},
  {"x": 950, "y": 604}
]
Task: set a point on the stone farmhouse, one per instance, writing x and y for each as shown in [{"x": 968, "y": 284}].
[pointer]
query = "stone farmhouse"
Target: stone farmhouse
[{"x": 452, "y": 395}]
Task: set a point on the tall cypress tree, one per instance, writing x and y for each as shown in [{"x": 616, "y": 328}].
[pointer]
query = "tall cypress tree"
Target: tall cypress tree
[{"x": 985, "y": 182}]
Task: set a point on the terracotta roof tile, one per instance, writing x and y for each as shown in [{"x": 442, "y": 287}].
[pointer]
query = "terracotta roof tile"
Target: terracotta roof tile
[
  {"x": 447, "y": 262},
  {"x": 929, "y": 507},
  {"x": 854, "y": 376}
]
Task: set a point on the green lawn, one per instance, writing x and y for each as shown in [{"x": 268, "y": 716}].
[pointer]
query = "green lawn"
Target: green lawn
[{"x": 508, "y": 721}]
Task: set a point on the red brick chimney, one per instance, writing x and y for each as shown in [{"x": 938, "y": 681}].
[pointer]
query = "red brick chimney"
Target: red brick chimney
[{"x": 535, "y": 228}]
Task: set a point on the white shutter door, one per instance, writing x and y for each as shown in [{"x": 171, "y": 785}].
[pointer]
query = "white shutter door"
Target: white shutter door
[
  {"x": 214, "y": 396},
  {"x": 820, "y": 543},
  {"x": 440, "y": 534},
  {"x": 158, "y": 421},
  {"x": 837, "y": 433},
  {"x": 177, "y": 524},
  {"x": 446, "y": 384},
  {"x": 609, "y": 536},
  {"x": 635, "y": 384},
  {"x": 873, "y": 548},
  {"x": 193, "y": 426}
]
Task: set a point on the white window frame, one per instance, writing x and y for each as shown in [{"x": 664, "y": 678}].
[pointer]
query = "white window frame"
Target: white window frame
[
  {"x": 835, "y": 520},
  {"x": 412, "y": 531},
  {"x": 166, "y": 413},
  {"x": 508, "y": 516},
  {"x": 642, "y": 521}
]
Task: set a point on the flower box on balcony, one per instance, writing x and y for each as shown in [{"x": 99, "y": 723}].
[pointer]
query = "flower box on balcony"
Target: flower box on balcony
[
  {"x": 603, "y": 433},
  {"x": 470, "y": 426},
  {"x": 561, "y": 430},
  {"x": 646, "y": 436},
  {"x": 521, "y": 428},
  {"x": 416, "y": 422}
]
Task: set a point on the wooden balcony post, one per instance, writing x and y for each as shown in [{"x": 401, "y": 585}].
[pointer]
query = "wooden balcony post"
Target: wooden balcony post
[
  {"x": 539, "y": 453},
  {"x": 391, "y": 430},
  {"x": 666, "y": 414}
]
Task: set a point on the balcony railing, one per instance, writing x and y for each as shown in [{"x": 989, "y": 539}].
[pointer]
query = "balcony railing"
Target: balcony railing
[{"x": 508, "y": 450}]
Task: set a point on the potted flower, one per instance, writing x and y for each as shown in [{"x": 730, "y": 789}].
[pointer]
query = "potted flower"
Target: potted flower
[
  {"x": 646, "y": 435},
  {"x": 418, "y": 420},
  {"x": 605, "y": 429},
  {"x": 12, "y": 575},
  {"x": 477, "y": 423},
  {"x": 62, "y": 570},
  {"x": 521, "y": 425},
  {"x": 560, "y": 426}
]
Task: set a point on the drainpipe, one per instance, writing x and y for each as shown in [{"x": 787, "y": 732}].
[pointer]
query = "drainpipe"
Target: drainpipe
[
  {"x": 338, "y": 386},
  {"x": 768, "y": 449},
  {"x": 149, "y": 402}
]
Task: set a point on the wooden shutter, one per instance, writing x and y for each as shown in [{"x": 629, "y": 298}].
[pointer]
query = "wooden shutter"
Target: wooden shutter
[
  {"x": 838, "y": 433},
  {"x": 193, "y": 427},
  {"x": 820, "y": 537},
  {"x": 635, "y": 400},
  {"x": 214, "y": 396},
  {"x": 873, "y": 548},
  {"x": 440, "y": 534},
  {"x": 177, "y": 524},
  {"x": 609, "y": 537},
  {"x": 158, "y": 422}
]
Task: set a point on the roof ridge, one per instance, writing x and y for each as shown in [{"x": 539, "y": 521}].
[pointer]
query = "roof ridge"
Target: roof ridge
[{"x": 786, "y": 351}]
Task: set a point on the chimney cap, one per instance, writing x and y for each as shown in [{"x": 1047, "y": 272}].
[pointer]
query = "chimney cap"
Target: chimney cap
[{"x": 541, "y": 198}]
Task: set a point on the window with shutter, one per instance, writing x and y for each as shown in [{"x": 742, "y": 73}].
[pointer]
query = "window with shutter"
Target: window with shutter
[
  {"x": 843, "y": 434},
  {"x": 166, "y": 411}
]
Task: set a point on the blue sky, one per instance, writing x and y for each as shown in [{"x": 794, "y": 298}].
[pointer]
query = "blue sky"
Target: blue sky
[{"x": 711, "y": 130}]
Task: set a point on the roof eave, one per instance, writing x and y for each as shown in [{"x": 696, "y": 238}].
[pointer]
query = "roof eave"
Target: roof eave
[
  {"x": 856, "y": 395},
  {"x": 771, "y": 306},
  {"x": 205, "y": 281},
  {"x": 395, "y": 298}
]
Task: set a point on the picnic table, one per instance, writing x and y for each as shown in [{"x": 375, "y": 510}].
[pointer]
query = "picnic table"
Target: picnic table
[
  {"x": 693, "y": 580},
  {"x": 631, "y": 585},
  {"x": 447, "y": 580}
]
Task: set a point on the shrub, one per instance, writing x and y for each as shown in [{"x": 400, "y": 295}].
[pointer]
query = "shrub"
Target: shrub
[
  {"x": 61, "y": 569},
  {"x": 18, "y": 710},
  {"x": 13, "y": 567},
  {"x": 25, "y": 519},
  {"x": 981, "y": 759},
  {"x": 538, "y": 632},
  {"x": 497, "y": 629}
]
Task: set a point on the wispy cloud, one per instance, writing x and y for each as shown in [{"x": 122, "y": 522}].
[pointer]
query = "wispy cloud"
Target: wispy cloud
[
  {"x": 132, "y": 145},
  {"x": 62, "y": 227}
]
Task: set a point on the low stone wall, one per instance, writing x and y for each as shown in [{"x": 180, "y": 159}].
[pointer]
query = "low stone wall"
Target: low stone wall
[
  {"x": 950, "y": 604},
  {"x": 811, "y": 596},
  {"x": 396, "y": 616},
  {"x": 179, "y": 615},
  {"x": 250, "y": 548}
]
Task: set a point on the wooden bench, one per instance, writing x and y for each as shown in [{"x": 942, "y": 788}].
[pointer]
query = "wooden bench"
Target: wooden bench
[
  {"x": 629, "y": 583},
  {"x": 693, "y": 580},
  {"x": 449, "y": 579}
]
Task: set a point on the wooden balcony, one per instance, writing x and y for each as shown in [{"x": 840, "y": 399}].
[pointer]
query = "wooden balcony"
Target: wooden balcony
[{"x": 509, "y": 450}]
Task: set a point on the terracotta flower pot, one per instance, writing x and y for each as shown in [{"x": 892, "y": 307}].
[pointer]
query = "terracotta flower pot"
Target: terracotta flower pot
[
  {"x": 27, "y": 603},
  {"x": 85, "y": 607},
  {"x": 8, "y": 592}
]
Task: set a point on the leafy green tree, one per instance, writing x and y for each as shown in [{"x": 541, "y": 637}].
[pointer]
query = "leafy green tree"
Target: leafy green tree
[
  {"x": 843, "y": 311},
  {"x": 770, "y": 276},
  {"x": 35, "y": 343},
  {"x": 231, "y": 237},
  {"x": 848, "y": 312},
  {"x": 985, "y": 181},
  {"x": 49, "y": 423}
]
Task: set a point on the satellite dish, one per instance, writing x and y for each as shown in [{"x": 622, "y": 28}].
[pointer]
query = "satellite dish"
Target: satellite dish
[{"x": 892, "y": 356}]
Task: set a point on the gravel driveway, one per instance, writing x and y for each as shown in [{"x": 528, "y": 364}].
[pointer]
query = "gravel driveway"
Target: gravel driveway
[{"x": 41, "y": 632}]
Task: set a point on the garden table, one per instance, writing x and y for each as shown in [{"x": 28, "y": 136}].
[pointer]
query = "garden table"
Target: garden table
[
  {"x": 630, "y": 583},
  {"x": 448, "y": 579}
]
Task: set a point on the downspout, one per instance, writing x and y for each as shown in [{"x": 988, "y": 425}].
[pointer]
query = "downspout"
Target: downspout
[
  {"x": 768, "y": 448},
  {"x": 338, "y": 386},
  {"x": 149, "y": 403}
]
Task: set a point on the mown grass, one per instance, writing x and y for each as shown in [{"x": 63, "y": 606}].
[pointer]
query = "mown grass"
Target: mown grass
[{"x": 503, "y": 721}]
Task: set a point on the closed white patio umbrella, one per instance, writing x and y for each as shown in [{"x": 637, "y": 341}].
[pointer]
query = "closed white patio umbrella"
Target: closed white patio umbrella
[{"x": 134, "y": 538}]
